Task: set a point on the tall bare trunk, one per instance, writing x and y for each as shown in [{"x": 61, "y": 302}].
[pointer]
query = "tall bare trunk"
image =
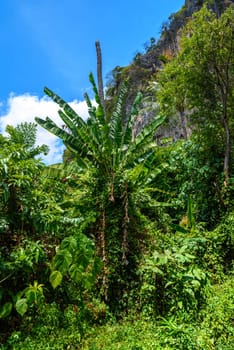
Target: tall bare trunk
[{"x": 99, "y": 73}]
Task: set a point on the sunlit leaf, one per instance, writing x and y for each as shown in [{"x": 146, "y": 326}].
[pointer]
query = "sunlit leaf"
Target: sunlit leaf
[
  {"x": 56, "y": 278},
  {"x": 21, "y": 306}
]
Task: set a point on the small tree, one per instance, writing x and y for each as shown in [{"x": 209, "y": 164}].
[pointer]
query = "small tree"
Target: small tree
[
  {"x": 119, "y": 163},
  {"x": 202, "y": 77}
]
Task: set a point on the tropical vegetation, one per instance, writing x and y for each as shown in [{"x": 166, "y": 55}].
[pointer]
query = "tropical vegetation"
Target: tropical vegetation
[{"x": 128, "y": 243}]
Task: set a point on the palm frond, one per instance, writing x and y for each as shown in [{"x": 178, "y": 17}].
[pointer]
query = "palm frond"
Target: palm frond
[
  {"x": 136, "y": 104},
  {"x": 68, "y": 122},
  {"x": 116, "y": 120},
  {"x": 100, "y": 114},
  {"x": 127, "y": 136},
  {"x": 144, "y": 136},
  {"x": 67, "y": 138},
  {"x": 64, "y": 106}
]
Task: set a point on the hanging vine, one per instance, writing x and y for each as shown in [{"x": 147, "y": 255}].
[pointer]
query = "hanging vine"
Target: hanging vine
[
  {"x": 125, "y": 226},
  {"x": 104, "y": 257}
]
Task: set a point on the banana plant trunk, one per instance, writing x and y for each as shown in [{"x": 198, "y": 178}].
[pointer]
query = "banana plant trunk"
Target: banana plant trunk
[{"x": 99, "y": 73}]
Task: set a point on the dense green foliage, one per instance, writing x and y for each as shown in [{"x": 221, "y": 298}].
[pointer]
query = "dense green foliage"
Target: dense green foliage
[
  {"x": 129, "y": 243},
  {"x": 120, "y": 169}
]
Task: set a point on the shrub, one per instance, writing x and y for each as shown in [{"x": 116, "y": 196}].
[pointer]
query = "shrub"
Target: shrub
[{"x": 173, "y": 279}]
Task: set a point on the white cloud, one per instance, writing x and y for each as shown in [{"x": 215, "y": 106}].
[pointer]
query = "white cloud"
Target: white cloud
[{"x": 24, "y": 108}]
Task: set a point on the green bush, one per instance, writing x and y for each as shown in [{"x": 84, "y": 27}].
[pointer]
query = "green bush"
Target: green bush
[
  {"x": 51, "y": 328},
  {"x": 218, "y": 319},
  {"x": 173, "y": 279}
]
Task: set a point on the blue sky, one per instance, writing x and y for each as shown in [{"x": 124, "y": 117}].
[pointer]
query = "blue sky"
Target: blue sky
[{"x": 52, "y": 43}]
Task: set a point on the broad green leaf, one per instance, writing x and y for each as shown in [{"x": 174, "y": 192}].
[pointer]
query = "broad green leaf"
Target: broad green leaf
[
  {"x": 69, "y": 123},
  {"x": 62, "y": 260},
  {"x": 5, "y": 310},
  {"x": 63, "y": 105},
  {"x": 56, "y": 278},
  {"x": 76, "y": 272},
  {"x": 136, "y": 103},
  {"x": 34, "y": 293},
  {"x": 21, "y": 306},
  {"x": 69, "y": 243},
  {"x": 31, "y": 295},
  {"x": 116, "y": 122}
]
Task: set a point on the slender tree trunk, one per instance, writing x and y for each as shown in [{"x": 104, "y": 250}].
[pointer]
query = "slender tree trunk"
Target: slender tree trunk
[
  {"x": 224, "y": 94},
  {"x": 183, "y": 124},
  {"x": 223, "y": 78},
  {"x": 12, "y": 210},
  {"x": 99, "y": 73},
  {"x": 216, "y": 8},
  {"x": 219, "y": 192},
  {"x": 227, "y": 150}
]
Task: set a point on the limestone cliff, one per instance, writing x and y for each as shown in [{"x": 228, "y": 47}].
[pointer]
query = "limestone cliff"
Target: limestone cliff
[{"x": 145, "y": 65}]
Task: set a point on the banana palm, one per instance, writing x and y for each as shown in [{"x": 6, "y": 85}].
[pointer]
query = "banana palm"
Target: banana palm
[
  {"x": 110, "y": 145},
  {"x": 121, "y": 161}
]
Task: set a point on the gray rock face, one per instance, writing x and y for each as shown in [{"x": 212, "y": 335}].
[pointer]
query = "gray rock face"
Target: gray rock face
[
  {"x": 217, "y": 5},
  {"x": 193, "y": 5}
]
